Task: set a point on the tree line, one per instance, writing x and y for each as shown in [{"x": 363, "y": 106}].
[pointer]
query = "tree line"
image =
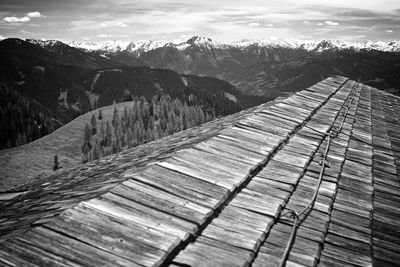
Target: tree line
[{"x": 142, "y": 122}]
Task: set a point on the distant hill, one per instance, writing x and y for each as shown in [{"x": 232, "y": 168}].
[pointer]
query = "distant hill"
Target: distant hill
[{"x": 282, "y": 77}]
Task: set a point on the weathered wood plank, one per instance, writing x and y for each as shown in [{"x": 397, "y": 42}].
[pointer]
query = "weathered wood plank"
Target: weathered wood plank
[
  {"x": 214, "y": 162},
  {"x": 291, "y": 158},
  {"x": 302, "y": 245},
  {"x": 257, "y": 202},
  {"x": 242, "y": 238},
  {"x": 268, "y": 132},
  {"x": 283, "y": 115},
  {"x": 207, "y": 252},
  {"x": 260, "y": 186},
  {"x": 347, "y": 256},
  {"x": 174, "y": 188},
  {"x": 18, "y": 253},
  {"x": 233, "y": 152},
  {"x": 349, "y": 244},
  {"x": 121, "y": 240},
  {"x": 134, "y": 232},
  {"x": 300, "y": 148},
  {"x": 128, "y": 210},
  {"x": 276, "y": 121},
  {"x": 163, "y": 201},
  {"x": 159, "y": 176},
  {"x": 303, "y": 232},
  {"x": 192, "y": 170},
  {"x": 267, "y": 140},
  {"x": 235, "y": 215},
  {"x": 272, "y": 255},
  {"x": 281, "y": 172},
  {"x": 351, "y": 221},
  {"x": 263, "y": 149},
  {"x": 72, "y": 249},
  {"x": 265, "y": 126}
]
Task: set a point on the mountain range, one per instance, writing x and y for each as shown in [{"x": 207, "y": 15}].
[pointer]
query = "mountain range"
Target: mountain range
[
  {"x": 269, "y": 68},
  {"x": 141, "y": 46}
]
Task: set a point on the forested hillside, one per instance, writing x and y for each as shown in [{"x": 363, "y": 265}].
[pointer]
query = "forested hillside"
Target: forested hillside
[
  {"x": 22, "y": 120},
  {"x": 142, "y": 122}
]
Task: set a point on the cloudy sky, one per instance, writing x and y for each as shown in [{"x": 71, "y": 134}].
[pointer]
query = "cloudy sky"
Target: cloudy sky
[{"x": 96, "y": 20}]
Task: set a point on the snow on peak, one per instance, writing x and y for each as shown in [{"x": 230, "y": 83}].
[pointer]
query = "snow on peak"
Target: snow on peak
[
  {"x": 320, "y": 45},
  {"x": 205, "y": 41},
  {"x": 141, "y": 46},
  {"x": 108, "y": 46},
  {"x": 118, "y": 46},
  {"x": 145, "y": 45},
  {"x": 43, "y": 42},
  {"x": 89, "y": 46}
]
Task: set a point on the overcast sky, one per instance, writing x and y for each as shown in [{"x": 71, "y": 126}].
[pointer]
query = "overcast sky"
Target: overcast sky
[{"x": 95, "y": 20}]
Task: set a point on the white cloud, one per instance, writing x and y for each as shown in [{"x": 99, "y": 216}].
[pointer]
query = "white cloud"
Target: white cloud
[
  {"x": 320, "y": 24},
  {"x": 122, "y": 25},
  {"x": 16, "y": 19},
  {"x": 254, "y": 24},
  {"x": 389, "y": 31},
  {"x": 270, "y": 25},
  {"x": 13, "y": 19},
  {"x": 104, "y": 35},
  {"x": 331, "y": 23},
  {"x": 34, "y": 14}
]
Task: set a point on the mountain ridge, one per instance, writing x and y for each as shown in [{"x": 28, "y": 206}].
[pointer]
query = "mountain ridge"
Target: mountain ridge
[{"x": 309, "y": 45}]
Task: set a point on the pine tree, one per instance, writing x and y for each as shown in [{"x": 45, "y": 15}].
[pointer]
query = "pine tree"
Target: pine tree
[
  {"x": 56, "y": 165},
  {"x": 124, "y": 119},
  {"x": 114, "y": 146},
  {"x": 129, "y": 137},
  {"x": 149, "y": 135},
  {"x": 102, "y": 131},
  {"x": 115, "y": 118},
  {"x": 86, "y": 146},
  {"x": 108, "y": 135},
  {"x": 8, "y": 144},
  {"x": 127, "y": 141},
  {"x": 94, "y": 152},
  {"x": 93, "y": 123},
  {"x": 100, "y": 116}
]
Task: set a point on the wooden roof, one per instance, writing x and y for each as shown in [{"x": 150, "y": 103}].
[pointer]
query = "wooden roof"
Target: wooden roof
[{"x": 214, "y": 195}]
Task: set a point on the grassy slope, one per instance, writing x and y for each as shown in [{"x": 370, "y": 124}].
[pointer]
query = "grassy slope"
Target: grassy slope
[{"x": 22, "y": 164}]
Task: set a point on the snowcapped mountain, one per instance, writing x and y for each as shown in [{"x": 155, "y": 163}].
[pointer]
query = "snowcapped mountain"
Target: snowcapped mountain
[
  {"x": 141, "y": 46},
  {"x": 43, "y": 43},
  {"x": 321, "y": 45},
  {"x": 119, "y": 46}
]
